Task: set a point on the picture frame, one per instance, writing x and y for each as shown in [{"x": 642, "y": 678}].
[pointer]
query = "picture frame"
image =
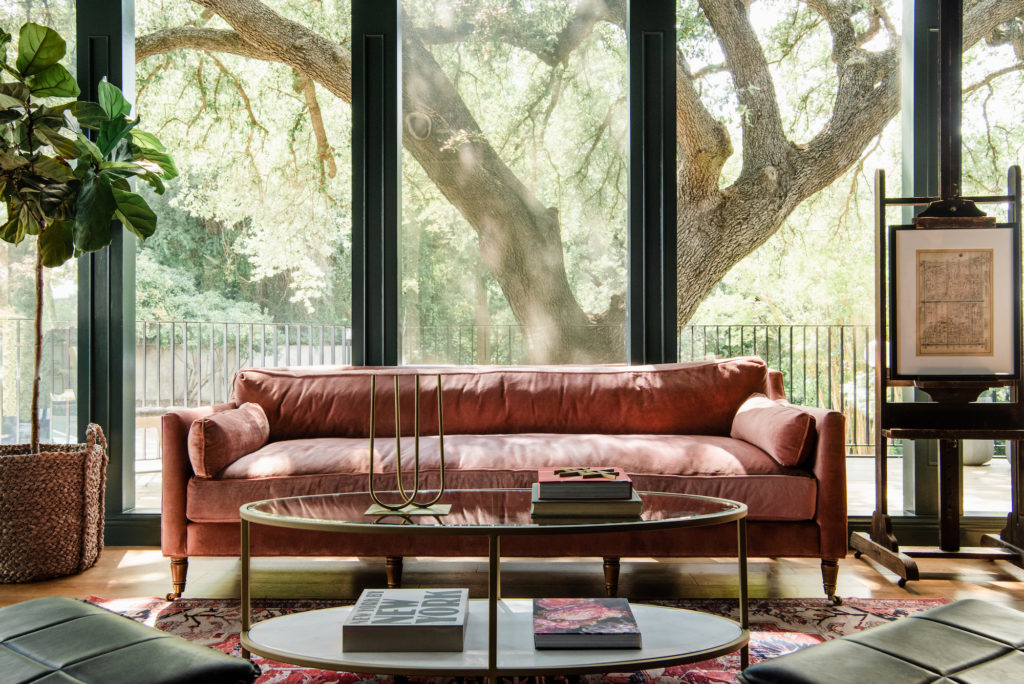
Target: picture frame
[{"x": 954, "y": 303}]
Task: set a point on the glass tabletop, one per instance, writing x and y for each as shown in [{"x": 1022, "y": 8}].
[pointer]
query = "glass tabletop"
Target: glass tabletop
[{"x": 482, "y": 511}]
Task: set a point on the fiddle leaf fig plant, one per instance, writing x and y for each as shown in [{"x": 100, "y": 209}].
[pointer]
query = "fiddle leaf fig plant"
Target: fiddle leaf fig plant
[{"x": 66, "y": 168}]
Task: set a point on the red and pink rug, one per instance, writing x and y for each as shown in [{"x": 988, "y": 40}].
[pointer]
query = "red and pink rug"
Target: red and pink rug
[{"x": 778, "y": 626}]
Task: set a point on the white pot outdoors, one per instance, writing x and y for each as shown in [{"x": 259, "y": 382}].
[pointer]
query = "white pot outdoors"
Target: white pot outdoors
[{"x": 977, "y": 452}]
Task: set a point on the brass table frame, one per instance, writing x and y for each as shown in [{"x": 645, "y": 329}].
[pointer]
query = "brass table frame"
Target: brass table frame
[{"x": 494, "y": 533}]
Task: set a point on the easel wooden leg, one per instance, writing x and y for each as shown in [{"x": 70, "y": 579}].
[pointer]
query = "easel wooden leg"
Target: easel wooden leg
[
  {"x": 881, "y": 545},
  {"x": 950, "y": 496}
]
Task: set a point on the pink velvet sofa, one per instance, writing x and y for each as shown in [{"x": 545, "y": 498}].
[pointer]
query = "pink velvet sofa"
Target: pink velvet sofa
[{"x": 718, "y": 428}]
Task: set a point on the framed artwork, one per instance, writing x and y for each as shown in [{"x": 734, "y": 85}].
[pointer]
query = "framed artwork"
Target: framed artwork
[{"x": 952, "y": 299}]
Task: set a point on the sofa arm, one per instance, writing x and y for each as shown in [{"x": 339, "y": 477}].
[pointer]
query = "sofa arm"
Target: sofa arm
[
  {"x": 829, "y": 468},
  {"x": 176, "y": 471}
]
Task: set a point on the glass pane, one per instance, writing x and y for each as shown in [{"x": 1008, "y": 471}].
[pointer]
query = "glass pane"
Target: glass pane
[
  {"x": 515, "y": 168},
  {"x": 993, "y": 140},
  {"x": 776, "y": 239},
  {"x": 251, "y": 262},
  {"x": 58, "y": 400}
]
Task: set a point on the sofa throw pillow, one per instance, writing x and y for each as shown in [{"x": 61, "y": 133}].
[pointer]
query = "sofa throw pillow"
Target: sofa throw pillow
[
  {"x": 782, "y": 431},
  {"x": 219, "y": 439}
]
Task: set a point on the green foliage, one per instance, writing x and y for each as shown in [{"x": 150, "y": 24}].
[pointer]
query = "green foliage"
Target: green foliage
[{"x": 57, "y": 184}]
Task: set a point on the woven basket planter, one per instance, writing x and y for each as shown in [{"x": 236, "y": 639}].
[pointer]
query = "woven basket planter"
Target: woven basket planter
[{"x": 51, "y": 508}]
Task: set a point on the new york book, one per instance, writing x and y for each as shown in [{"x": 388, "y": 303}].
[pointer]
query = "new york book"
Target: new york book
[
  {"x": 585, "y": 508},
  {"x": 407, "y": 620},
  {"x": 584, "y": 623},
  {"x": 584, "y": 483}
]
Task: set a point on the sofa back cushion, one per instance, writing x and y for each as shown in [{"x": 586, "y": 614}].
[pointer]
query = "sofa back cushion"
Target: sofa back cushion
[
  {"x": 782, "y": 431},
  {"x": 686, "y": 398},
  {"x": 219, "y": 439}
]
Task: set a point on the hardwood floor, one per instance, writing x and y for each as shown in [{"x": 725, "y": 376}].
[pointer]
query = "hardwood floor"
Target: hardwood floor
[{"x": 124, "y": 572}]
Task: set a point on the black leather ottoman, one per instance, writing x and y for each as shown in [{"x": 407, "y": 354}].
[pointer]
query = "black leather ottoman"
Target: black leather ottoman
[
  {"x": 58, "y": 640},
  {"x": 967, "y": 642}
]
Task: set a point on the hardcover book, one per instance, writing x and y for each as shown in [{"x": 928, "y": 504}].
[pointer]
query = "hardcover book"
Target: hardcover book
[
  {"x": 407, "y": 620},
  {"x": 584, "y": 623},
  {"x": 585, "y": 508},
  {"x": 584, "y": 483}
]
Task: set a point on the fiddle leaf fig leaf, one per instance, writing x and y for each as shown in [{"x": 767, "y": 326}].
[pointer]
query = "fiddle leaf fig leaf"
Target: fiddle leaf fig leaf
[
  {"x": 112, "y": 100},
  {"x": 88, "y": 114},
  {"x": 56, "y": 244},
  {"x": 55, "y": 81},
  {"x": 63, "y": 145},
  {"x": 93, "y": 213},
  {"x": 159, "y": 163},
  {"x": 154, "y": 182},
  {"x": 11, "y": 162},
  {"x": 88, "y": 147},
  {"x": 19, "y": 91},
  {"x": 12, "y": 231},
  {"x": 112, "y": 132},
  {"x": 144, "y": 140},
  {"x": 9, "y": 102},
  {"x": 135, "y": 214},
  {"x": 39, "y": 48},
  {"x": 49, "y": 167}
]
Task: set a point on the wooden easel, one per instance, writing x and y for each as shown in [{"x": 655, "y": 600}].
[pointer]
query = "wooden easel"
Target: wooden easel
[{"x": 953, "y": 415}]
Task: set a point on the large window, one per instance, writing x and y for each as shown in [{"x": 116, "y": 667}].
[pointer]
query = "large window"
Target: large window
[
  {"x": 251, "y": 262},
  {"x": 514, "y": 183},
  {"x": 59, "y": 372}
]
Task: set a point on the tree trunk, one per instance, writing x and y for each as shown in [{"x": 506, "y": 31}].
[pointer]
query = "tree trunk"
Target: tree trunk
[{"x": 520, "y": 239}]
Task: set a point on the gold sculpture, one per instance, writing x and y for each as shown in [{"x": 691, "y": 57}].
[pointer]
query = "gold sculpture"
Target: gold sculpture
[{"x": 408, "y": 505}]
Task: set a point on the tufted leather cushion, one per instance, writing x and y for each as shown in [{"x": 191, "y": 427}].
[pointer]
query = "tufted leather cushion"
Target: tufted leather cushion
[
  {"x": 219, "y": 439},
  {"x": 783, "y": 431},
  {"x": 58, "y": 639},
  {"x": 970, "y": 641}
]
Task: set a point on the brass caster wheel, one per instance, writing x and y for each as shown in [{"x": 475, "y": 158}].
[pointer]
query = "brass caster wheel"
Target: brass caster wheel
[
  {"x": 902, "y": 582},
  {"x": 835, "y": 600},
  {"x": 172, "y": 595}
]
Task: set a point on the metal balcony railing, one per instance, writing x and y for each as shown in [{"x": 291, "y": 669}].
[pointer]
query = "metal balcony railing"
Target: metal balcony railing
[{"x": 191, "y": 363}]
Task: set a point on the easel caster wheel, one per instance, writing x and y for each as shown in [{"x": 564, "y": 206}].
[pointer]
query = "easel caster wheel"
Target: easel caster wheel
[
  {"x": 857, "y": 554},
  {"x": 902, "y": 582}
]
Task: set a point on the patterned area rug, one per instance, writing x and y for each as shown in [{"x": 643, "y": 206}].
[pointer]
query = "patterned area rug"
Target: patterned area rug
[{"x": 778, "y": 626}]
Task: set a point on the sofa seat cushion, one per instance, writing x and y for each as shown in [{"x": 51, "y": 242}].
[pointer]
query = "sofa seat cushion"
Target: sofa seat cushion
[{"x": 708, "y": 465}]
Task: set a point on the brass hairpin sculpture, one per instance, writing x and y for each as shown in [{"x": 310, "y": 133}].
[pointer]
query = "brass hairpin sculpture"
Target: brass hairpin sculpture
[{"x": 408, "y": 504}]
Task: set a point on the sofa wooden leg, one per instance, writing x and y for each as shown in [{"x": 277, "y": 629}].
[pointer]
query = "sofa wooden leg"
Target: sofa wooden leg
[
  {"x": 393, "y": 570},
  {"x": 611, "y": 575},
  {"x": 179, "y": 570},
  {"x": 829, "y": 577}
]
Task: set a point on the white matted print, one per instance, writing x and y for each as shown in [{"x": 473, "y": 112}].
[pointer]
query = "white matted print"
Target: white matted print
[{"x": 953, "y": 302}]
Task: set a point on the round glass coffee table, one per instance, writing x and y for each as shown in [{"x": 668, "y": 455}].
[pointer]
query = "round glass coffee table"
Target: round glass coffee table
[{"x": 671, "y": 636}]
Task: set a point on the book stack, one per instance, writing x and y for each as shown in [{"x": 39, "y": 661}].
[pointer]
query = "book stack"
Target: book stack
[
  {"x": 407, "y": 620},
  {"x": 584, "y": 493},
  {"x": 584, "y": 623}
]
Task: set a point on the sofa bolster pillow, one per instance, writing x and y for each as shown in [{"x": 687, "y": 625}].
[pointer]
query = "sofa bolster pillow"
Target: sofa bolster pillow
[
  {"x": 219, "y": 439},
  {"x": 782, "y": 431}
]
